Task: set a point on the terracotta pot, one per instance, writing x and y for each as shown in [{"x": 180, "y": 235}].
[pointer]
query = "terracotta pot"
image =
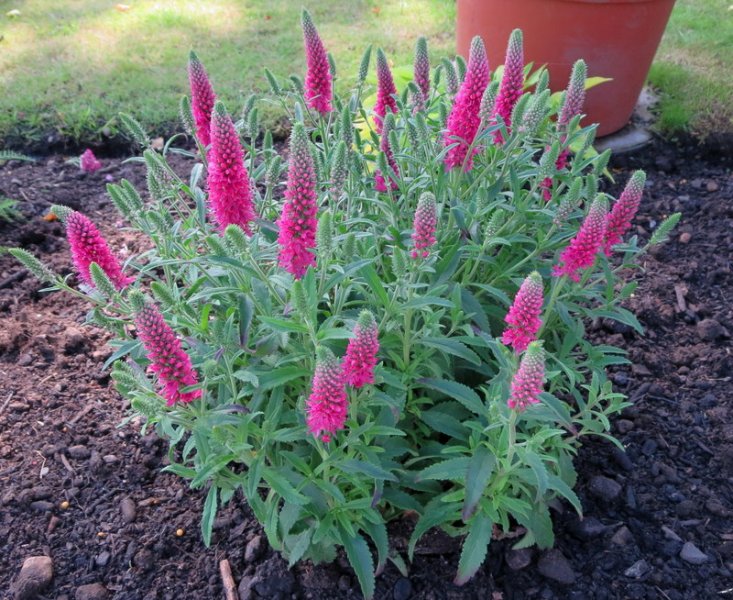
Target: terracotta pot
[{"x": 616, "y": 38}]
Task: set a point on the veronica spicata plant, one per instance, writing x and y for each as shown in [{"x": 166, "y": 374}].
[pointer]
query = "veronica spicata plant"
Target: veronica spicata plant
[{"x": 343, "y": 353}]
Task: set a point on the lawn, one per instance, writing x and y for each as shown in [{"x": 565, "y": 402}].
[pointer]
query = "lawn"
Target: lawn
[
  {"x": 692, "y": 68},
  {"x": 67, "y": 67},
  {"x": 71, "y": 65}
]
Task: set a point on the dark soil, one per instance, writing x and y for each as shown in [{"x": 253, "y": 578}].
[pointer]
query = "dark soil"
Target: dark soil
[{"x": 60, "y": 441}]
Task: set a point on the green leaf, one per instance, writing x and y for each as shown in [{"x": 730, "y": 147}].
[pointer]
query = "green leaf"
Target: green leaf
[
  {"x": 424, "y": 301},
  {"x": 375, "y": 284},
  {"x": 360, "y": 467},
  {"x": 453, "y": 347},
  {"x": 457, "y": 391},
  {"x": 477, "y": 478},
  {"x": 378, "y": 533},
  {"x": 277, "y": 377},
  {"x": 302, "y": 541},
  {"x": 360, "y": 559},
  {"x": 284, "y": 325},
  {"x": 474, "y": 548},
  {"x": 211, "y": 468},
  {"x": 207, "y": 519},
  {"x": 436, "y": 513},
  {"x": 539, "y": 470},
  {"x": 558, "y": 485},
  {"x": 453, "y": 469},
  {"x": 283, "y": 487},
  {"x": 591, "y": 82}
]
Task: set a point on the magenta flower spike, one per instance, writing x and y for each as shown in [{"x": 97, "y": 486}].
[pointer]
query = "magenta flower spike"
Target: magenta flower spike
[
  {"x": 230, "y": 193},
  {"x": 424, "y": 225},
  {"x": 574, "y": 94},
  {"x": 524, "y": 315},
  {"x": 361, "y": 353},
  {"x": 624, "y": 210},
  {"x": 169, "y": 361},
  {"x": 318, "y": 86},
  {"x": 88, "y": 162},
  {"x": 421, "y": 70},
  {"x": 386, "y": 91},
  {"x": 380, "y": 182},
  {"x": 298, "y": 223},
  {"x": 202, "y": 98},
  {"x": 512, "y": 82},
  {"x": 529, "y": 379},
  {"x": 583, "y": 248},
  {"x": 464, "y": 119},
  {"x": 327, "y": 405},
  {"x": 88, "y": 246}
]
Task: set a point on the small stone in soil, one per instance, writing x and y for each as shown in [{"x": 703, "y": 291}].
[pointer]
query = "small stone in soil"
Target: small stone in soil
[
  {"x": 637, "y": 570},
  {"x": 74, "y": 340},
  {"x": 604, "y": 488},
  {"x": 588, "y": 528},
  {"x": 91, "y": 591},
  {"x": 670, "y": 534},
  {"x": 518, "y": 559},
  {"x": 402, "y": 589},
  {"x": 622, "y": 537},
  {"x": 42, "y": 505},
  {"x": 710, "y": 330},
  {"x": 692, "y": 554},
  {"x": 143, "y": 559},
  {"x": 624, "y": 426},
  {"x": 555, "y": 566},
  {"x": 245, "y": 587},
  {"x": 716, "y": 507},
  {"x": 128, "y": 510},
  {"x": 685, "y": 238},
  {"x": 79, "y": 452},
  {"x": 253, "y": 549},
  {"x": 649, "y": 447},
  {"x": 35, "y": 576},
  {"x": 102, "y": 559},
  {"x": 24, "y": 360}
]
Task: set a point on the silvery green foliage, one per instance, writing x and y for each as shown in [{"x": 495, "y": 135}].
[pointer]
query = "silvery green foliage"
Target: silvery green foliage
[{"x": 434, "y": 434}]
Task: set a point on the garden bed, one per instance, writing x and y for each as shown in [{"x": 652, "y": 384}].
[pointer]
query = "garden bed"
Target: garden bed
[{"x": 135, "y": 530}]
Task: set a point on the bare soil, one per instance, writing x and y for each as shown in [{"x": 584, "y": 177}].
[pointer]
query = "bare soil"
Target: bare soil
[{"x": 135, "y": 531}]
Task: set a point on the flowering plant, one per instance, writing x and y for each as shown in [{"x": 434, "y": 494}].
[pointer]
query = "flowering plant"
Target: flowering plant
[{"x": 393, "y": 326}]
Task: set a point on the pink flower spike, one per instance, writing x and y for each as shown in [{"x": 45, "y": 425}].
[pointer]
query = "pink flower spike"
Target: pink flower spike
[
  {"x": 426, "y": 220},
  {"x": 361, "y": 353},
  {"x": 512, "y": 82},
  {"x": 318, "y": 87},
  {"x": 298, "y": 223},
  {"x": 624, "y": 210},
  {"x": 583, "y": 248},
  {"x": 202, "y": 98},
  {"x": 88, "y": 246},
  {"x": 88, "y": 162},
  {"x": 574, "y": 94},
  {"x": 524, "y": 315},
  {"x": 529, "y": 379},
  {"x": 380, "y": 182},
  {"x": 421, "y": 70},
  {"x": 169, "y": 361},
  {"x": 327, "y": 405},
  {"x": 464, "y": 119},
  {"x": 230, "y": 194},
  {"x": 386, "y": 91}
]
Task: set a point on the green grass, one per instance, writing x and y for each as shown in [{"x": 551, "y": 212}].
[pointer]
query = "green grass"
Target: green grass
[
  {"x": 70, "y": 66},
  {"x": 692, "y": 69}
]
